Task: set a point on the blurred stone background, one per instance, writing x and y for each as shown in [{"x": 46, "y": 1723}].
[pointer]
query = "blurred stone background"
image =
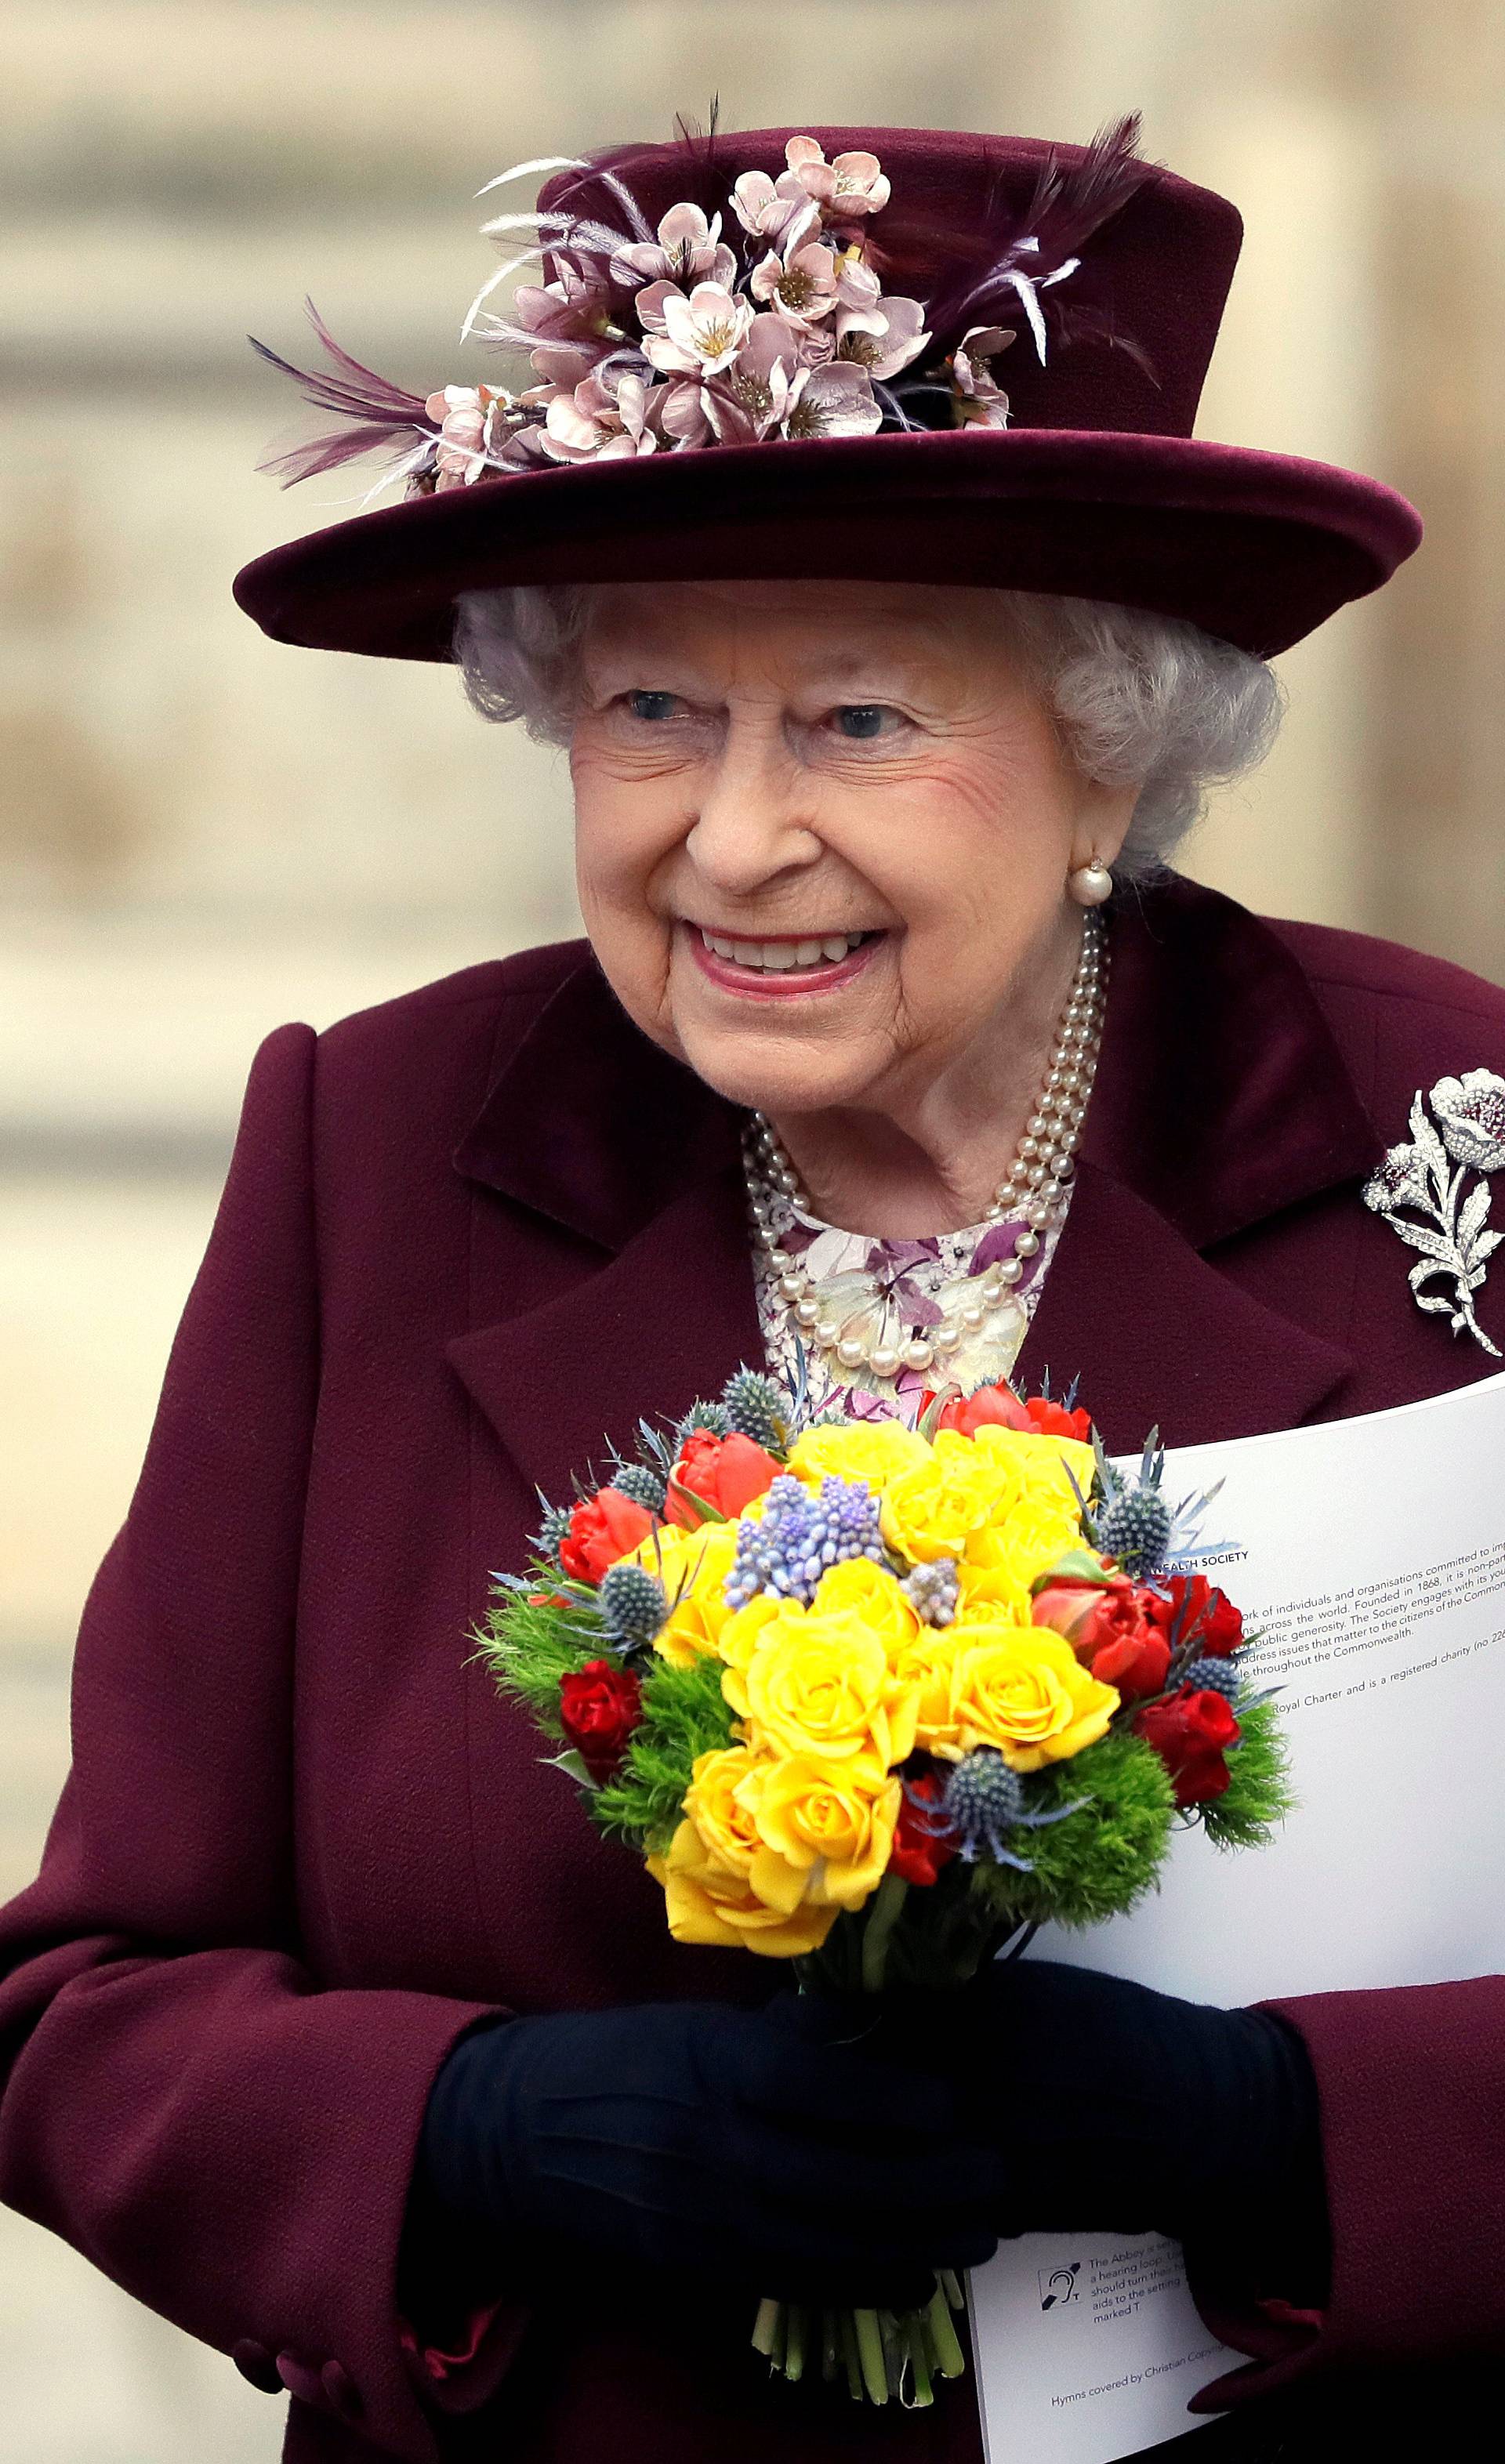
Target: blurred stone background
[{"x": 202, "y": 835}]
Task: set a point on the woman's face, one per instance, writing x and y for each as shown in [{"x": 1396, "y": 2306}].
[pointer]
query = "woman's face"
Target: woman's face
[{"x": 823, "y": 832}]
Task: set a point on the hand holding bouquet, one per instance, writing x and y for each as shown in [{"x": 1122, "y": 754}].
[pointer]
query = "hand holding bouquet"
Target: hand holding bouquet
[{"x": 876, "y": 1701}]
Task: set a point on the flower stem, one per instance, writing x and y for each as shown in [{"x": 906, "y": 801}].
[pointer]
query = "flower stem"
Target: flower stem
[
  {"x": 952, "y": 2289},
  {"x": 847, "y": 2323},
  {"x": 829, "y": 2359},
  {"x": 794, "y": 2342},
  {"x": 766, "y": 2329},
  {"x": 950, "y": 2360},
  {"x": 870, "y": 2354},
  {"x": 888, "y": 1905},
  {"x": 919, "y": 2361}
]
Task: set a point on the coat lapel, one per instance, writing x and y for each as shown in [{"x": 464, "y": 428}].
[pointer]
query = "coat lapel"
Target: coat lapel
[
  {"x": 1158, "y": 1337},
  {"x": 664, "y": 1320}
]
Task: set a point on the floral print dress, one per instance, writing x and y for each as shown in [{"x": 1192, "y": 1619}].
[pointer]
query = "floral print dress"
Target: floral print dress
[{"x": 892, "y": 1288}]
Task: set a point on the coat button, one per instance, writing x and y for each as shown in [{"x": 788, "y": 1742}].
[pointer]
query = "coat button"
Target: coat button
[
  {"x": 342, "y": 2390},
  {"x": 254, "y": 2363}
]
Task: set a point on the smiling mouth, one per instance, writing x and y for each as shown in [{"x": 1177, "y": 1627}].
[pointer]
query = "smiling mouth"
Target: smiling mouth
[{"x": 785, "y": 955}]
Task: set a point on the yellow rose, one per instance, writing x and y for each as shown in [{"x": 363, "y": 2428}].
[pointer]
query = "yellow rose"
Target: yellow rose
[
  {"x": 991, "y": 1596},
  {"x": 821, "y": 1683},
  {"x": 830, "y": 1824},
  {"x": 693, "y": 1567},
  {"x": 876, "y": 1451},
  {"x": 1025, "y": 1693},
  {"x": 937, "y": 1508},
  {"x": 873, "y": 1592},
  {"x": 924, "y": 1670},
  {"x": 743, "y": 1631},
  {"x": 708, "y": 1903},
  {"x": 1046, "y": 1465},
  {"x": 720, "y": 1802},
  {"x": 1025, "y": 1542}
]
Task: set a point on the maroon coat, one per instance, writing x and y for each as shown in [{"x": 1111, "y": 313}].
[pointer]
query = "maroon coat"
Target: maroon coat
[{"x": 464, "y": 1235}]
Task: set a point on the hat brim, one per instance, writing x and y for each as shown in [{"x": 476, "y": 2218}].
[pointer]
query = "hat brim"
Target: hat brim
[{"x": 1256, "y": 548}]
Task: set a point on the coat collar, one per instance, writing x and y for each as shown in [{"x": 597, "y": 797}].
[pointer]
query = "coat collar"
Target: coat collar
[
  {"x": 590, "y": 1124},
  {"x": 1222, "y": 1098}
]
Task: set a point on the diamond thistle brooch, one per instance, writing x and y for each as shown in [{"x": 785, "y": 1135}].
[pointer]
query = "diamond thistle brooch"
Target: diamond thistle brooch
[{"x": 1419, "y": 1189}]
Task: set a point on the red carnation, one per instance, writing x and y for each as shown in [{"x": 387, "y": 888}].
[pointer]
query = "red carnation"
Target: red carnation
[
  {"x": 598, "y": 1708},
  {"x": 1197, "y": 1612},
  {"x": 1111, "y": 1629},
  {"x": 1191, "y": 1733},
  {"x": 725, "y": 1472},
  {"x": 918, "y": 1853},
  {"x": 602, "y": 1528}
]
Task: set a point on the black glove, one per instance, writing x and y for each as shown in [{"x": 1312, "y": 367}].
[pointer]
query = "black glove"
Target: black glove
[
  {"x": 1113, "y": 2110},
  {"x": 677, "y": 2138}
]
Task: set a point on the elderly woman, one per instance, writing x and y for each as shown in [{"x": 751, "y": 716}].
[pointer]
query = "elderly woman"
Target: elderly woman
[{"x": 332, "y": 2031}]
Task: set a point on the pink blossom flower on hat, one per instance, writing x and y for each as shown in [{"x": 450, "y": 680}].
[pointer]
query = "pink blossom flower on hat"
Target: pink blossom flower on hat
[
  {"x": 530, "y": 449},
  {"x": 977, "y": 398},
  {"x": 677, "y": 408},
  {"x": 689, "y": 249},
  {"x": 560, "y": 364},
  {"x": 832, "y": 401},
  {"x": 604, "y": 419},
  {"x": 465, "y": 415},
  {"x": 750, "y": 399},
  {"x": 853, "y": 184},
  {"x": 857, "y": 286},
  {"x": 701, "y": 334},
  {"x": 782, "y": 211},
  {"x": 575, "y": 308},
  {"x": 883, "y": 340},
  {"x": 801, "y": 288}
]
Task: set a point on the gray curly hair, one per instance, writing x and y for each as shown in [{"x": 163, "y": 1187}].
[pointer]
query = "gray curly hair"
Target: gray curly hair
[{"x": 1141, "y": 701}]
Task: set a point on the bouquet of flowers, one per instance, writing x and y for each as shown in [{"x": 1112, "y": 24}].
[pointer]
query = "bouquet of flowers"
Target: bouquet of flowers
[{"x": 881, "y": 1701}]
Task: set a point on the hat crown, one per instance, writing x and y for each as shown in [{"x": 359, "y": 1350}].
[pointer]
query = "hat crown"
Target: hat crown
[{"x": 1145, "y": 300}]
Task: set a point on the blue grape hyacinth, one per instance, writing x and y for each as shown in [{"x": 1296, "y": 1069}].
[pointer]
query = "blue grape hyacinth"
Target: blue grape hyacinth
[{"x": 799, "y": 1537}]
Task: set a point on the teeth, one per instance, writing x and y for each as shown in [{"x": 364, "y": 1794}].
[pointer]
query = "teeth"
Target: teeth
[{"x": 776, "y": 956}]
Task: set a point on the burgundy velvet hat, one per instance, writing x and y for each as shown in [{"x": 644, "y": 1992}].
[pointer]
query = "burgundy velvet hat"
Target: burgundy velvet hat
[{"x": 857, "y": 353}]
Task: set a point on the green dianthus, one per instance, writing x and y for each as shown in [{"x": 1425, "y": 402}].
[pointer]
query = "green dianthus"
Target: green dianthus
[
  {"x": 1258, "y": 1794},
  {"x": 684, "y": 1714},
  {"x": 1098, "y": 1862}
]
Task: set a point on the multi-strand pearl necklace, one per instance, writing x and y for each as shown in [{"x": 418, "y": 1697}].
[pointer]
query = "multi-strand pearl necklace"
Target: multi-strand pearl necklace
[{"x": 1033, "y": 1192}]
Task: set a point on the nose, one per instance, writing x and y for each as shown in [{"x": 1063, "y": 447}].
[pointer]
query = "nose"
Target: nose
[{"x": 752, "y": 819}]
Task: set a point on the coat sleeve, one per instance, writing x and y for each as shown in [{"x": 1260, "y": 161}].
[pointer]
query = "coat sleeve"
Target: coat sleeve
[
  {"x": 1411, "y": 2085},
  {"x": 178, "y": 2096}
]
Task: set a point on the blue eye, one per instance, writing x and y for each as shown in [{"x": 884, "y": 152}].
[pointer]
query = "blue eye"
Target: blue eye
[
  {"x": 862, "y": 719},
  {"x": 651, "y": 706}
]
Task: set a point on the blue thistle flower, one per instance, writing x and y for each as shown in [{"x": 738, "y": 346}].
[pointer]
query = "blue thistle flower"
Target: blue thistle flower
[
  {"x": 933, "y": 1591},
  {"x": 551, "y": 1531},
  {"x": 645, "y": 1486},
  {"x": 1134, "y": 1530},
  {"x": 1137, "y": 1526},
  {"x": 799, "y": 1538},
  {"x": 757, "y": 1408},
  {"x": 983, "y": 1799},
  {"x": 631, "y": 1604},
  {"x": 702, "y": 1415},
  {"x": 1217, "y": 1677}
]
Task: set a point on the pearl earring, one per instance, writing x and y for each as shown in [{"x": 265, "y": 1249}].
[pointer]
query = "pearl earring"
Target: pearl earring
[{"x": 1090, "y": 884}]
